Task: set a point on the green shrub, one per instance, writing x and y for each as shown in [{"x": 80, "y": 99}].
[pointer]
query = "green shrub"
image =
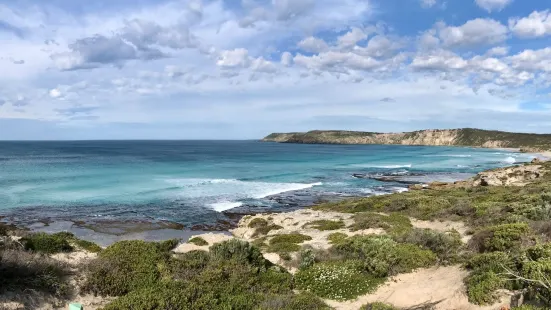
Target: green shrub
[
  {"x": 24, "y": 272},
  {"x": 302, "y": 301},
  {"x": 481, "y": 287},
  {"x": 168, "y": 245},
  {"x": 282, "y": 248},
  {"x": 383, "y": 256},
  {"x": 307, "y": 258},
  {"x": 446, "y": 246},
  {"x": 505, "y": 237},
  {"x": 87, "y": 246},
  {"x": 378, "y": 306},
  {"x": 290, "y": 238},
  {"x": 49, "y": 244},
  {"x": 324, "y": 225},
  {"x": 337, "y": 237},
  {"x": 336, "y": 280},
  {"x": 495, "y": 262},
  {"x": 538, "y": 272},
  {"x": 198, "y": 241},
  {"x": 173, "y": 296},
  {"x": 258, "y": 222},
  {"x": 238, "y": 251},
  {"x": 393, "y": 223},
  {"x": 188, "y": 265},
  {"x": 125, "y": 266},
  {"x": 265, "y": 230}
]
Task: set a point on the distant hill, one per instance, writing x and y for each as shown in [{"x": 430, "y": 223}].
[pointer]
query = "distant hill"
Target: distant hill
[{"x": 445, "y": 137}]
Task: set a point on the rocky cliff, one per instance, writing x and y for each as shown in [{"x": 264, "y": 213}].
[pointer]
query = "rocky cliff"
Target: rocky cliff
[{"x": 446, "y": 137}]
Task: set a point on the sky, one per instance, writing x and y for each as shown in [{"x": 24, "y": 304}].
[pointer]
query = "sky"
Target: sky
[{"x": 241, "y": 69}]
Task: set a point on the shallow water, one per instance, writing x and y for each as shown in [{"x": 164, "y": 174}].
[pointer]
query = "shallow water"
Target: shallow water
[{"x": 191, "y": 182}]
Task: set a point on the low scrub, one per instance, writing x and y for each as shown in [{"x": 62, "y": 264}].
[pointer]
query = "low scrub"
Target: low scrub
[
  {"x": 337, "y": 280},
  {"x": 262, "y": 227},
  {"x": 24, "y": 272},
  {"x": 382, "y": 256},
  {"x": 505, "y": 237},
  {"x": 393, "y": 223},
  {"x": 125, "y": 266},
  {"x": 335, "y": 238},
  {"x": 286, "y": 243},
  {"x": 446, "y": 246},
  {"x": 49, "y": 244},
  {"x": 378, "y": 306},
  {"x": 198, "y": 241},
  {"x": 325, "y": 225}
]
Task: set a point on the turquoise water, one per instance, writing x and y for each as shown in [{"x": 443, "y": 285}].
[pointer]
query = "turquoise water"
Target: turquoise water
[{"x": 193, "y": 181}]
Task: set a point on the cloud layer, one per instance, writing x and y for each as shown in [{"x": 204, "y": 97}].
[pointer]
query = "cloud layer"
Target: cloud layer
[{"x": 240, "y": 69}]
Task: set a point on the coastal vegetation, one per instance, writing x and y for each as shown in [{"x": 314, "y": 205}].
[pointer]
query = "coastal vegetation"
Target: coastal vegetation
[
  {"x": 449, "y": 137},
  {"x": 499, "y": 235}
]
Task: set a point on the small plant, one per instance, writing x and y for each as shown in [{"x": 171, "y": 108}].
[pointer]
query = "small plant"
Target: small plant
[
  {"x": 49, "y": 244},
  {"x": 87, "y": 246},
  {"x": 378, "y": 306},
  {"x": 338, "y": 237},
  {"x": 393, "y": 223},
  {"x": 238, "y": 251},
  {"x": 445, "y": 245},
  {"x": 290, "y": 238},
  {"x": 336, "y": 280},
  {"x": 125, "y": 266},
  {"x": 307, "y": 258},
  {"x": 324, "y": 225},
  {"x": 198, "y": 241},
  {"x": 481, "y": 287},
  {"x": 505, "y": 237},
  {"x": 258, "y": 222}
]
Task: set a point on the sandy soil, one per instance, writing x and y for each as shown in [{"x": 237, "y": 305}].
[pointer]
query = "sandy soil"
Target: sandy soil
[
  {"x": 442, "y": 287},
  {"x": 211, "y": 238}
]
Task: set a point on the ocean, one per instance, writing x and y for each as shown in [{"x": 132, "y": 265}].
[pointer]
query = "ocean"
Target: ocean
[{"x": 200, "y": 182}]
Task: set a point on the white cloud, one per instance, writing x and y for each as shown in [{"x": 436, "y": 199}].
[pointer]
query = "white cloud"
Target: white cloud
[
  {"x": 428, "y": 3},
  {"x": 475, "y": 32},
  {"x": 498, "y": 51},
  {"x": 238, "y": 57},
  {"x": 352, "y": 37},
  {"x": 532, "y": 60},
  {"x": 286, "y": 59},
  {"x": 312, "y": 44},
  {"x": 55, "y": 93},
  {"x": 493, "y": 5},
  {"x": 440, "y": 60},
  {"x": 537, "y": 24}
]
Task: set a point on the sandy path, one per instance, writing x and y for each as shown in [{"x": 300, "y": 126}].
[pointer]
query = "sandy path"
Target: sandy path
[{"x": 442, "y": 287}]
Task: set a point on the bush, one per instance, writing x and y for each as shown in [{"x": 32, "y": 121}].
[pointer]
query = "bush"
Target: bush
[
  {"x": 378, "y": 306},
  {"x": 198, "y": 241},
  {"x": 261, "y": 226},
  {"x": 324, "y": 225},
  {"x": 173, "y": 296},
  {"x": 290, "y": 238},
  {"x": 505, "y": 238},
  {"x": 258, "y": 222},
  {"x": 481, "y": 287},
  {"x": 168, "y": 245},
  {"x": 393, "y": 223},
  {"x": 335, "y": 238},
  {"x": 124, "y": 267},
  {"x": 302, "y": 301},
  {"x": 49, "y": 244},
  {"x": 307, "y": 258},
  {"x": 495, "y": 262},
  {"x": 188, "y": 265},
  {"x": 336, "y": 280},
  {"x": 24, "y": 272},
  {"x": 283, "y": 248},
  {"x": 88, "y": 246},
  {"x": 238, "y": 251},
  {"x": 266, "y": 229},
  {"x": 445, "y": 245},
  {"x": 383, "y": 256}
]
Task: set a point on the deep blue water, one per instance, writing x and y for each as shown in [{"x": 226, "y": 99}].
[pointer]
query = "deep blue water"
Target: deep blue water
[{"x": 192, "y": 181}]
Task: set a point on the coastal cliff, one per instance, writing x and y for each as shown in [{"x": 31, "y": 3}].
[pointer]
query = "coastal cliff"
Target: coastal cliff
[{"x": 446, "y": 137}]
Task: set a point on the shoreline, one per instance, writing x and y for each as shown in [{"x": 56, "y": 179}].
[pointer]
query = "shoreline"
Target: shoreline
[{"x": 108, "y": 231}]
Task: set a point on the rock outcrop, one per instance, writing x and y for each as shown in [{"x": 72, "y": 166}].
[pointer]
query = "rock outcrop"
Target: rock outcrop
[{"x": 446, "y": 137}]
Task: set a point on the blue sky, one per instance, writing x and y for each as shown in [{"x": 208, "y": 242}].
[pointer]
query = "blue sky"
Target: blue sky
[{"x": 240, "y": 69}]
